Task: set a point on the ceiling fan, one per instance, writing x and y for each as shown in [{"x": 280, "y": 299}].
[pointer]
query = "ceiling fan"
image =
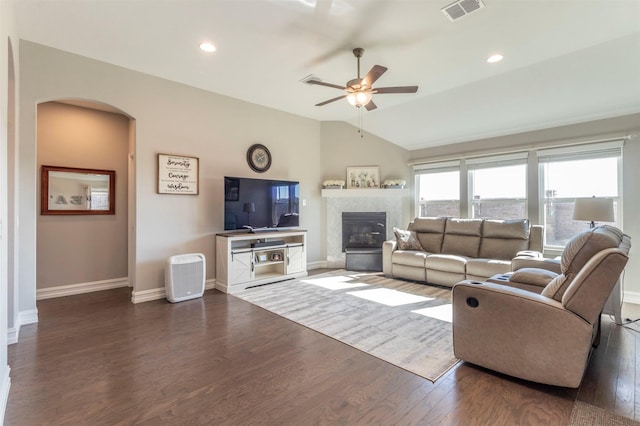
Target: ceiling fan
[{"x": 359, "y": 90}]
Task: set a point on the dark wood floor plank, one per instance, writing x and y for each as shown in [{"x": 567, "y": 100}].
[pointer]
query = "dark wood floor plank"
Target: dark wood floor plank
[
  {"x": 626, "y": 380},
  {"x": 97, "y": 359}
]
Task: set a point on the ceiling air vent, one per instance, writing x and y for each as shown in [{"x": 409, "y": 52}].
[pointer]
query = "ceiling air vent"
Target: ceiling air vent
[
  {"x": 461, "y": 8},
  {"x": 310, "y": 77}
]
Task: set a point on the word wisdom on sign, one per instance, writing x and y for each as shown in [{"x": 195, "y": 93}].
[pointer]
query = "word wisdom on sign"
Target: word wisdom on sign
[{"x": 177, "y": 174}]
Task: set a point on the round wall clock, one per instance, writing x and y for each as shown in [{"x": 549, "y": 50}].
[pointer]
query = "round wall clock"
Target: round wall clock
[{"x": 259, "y": 158}]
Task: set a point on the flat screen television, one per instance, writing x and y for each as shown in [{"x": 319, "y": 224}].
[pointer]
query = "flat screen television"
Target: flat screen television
[{"x": 260, "y": 203}]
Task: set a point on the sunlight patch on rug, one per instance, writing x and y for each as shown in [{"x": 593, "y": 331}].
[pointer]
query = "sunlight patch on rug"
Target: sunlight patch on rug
[
  {"x": 389, "y": 297},
  {"x": 335, "y": 283},
  {"x": 442, "y": 312}
]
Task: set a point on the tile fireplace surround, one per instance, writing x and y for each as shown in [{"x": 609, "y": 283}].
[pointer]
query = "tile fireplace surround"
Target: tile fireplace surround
[{"x": 395, "y": 202}]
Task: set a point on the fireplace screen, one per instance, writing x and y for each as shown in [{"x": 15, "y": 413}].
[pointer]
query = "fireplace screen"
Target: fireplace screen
[{"x": 363, "y": 230}]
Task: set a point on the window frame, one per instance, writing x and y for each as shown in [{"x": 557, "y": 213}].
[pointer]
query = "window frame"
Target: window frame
[
  {"x": 535, "y": 157},
  {"x": 432, "y": 168},
  {"x": 597, "y": 150},
  {"x": 496, "y": 161}
]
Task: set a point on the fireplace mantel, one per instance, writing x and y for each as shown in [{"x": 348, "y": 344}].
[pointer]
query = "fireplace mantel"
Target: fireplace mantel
[{"x": 365, "y": 192}]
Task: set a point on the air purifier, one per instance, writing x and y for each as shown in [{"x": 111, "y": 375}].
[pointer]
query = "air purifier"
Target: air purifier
[{"x": 184, "y": 277}]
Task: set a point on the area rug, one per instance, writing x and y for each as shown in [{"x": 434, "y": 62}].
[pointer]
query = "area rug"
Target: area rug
[
  {"x": 403, "y": 323},
  {"x": 584, "y": 414}
]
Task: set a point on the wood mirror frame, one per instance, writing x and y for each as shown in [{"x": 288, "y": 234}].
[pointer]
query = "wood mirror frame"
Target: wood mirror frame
[{"x": 73, "y": 191}]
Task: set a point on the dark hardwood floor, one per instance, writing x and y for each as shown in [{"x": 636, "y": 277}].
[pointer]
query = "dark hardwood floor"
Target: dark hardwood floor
[{"x": 97, "y": 359}]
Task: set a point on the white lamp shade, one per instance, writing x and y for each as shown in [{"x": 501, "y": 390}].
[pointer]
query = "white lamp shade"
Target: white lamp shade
[{"x": 594, "y": 210}]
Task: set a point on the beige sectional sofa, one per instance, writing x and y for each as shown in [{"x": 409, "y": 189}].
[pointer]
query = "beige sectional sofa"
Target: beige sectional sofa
[{"x": 444, "y": 251}]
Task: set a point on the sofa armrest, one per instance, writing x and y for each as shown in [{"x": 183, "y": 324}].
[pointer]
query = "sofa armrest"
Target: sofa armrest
[
  {"x": 536, "y": 238},
  {"x": 519, "y": 333},
  {"x": 528, "y": 261},
  {"x": 388, "y": 247}
]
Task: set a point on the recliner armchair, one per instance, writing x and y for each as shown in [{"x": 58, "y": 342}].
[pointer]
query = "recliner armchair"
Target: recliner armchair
[{"x": 546, "y": 337}]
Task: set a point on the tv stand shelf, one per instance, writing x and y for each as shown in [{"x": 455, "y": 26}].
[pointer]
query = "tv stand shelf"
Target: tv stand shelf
[{"x": 247, "y": 259}]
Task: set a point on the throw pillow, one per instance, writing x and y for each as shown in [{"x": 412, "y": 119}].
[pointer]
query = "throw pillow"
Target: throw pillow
[{"x": 407, "y": 240}]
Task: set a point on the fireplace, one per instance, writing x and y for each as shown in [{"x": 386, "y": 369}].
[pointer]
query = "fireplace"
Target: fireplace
[{"x": 362, "y": 236}]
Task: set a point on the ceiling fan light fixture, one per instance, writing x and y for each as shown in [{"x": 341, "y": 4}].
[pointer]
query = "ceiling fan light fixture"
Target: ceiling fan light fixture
[{"x": 359, "y": 99}]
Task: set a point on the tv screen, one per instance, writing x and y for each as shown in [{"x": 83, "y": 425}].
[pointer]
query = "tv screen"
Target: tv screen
[{"x": 260, "y": 203}]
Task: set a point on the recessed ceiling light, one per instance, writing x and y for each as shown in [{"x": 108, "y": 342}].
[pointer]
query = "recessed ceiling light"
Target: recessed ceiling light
[
  {"x": 495, "y": 58},
  {"x": 207, "y": 47}
]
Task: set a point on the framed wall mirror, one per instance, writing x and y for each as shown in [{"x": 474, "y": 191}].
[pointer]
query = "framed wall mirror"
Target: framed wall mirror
[{"x": 72, "y": 191}]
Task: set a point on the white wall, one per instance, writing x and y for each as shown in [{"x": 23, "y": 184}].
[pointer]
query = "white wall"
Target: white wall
[
  {"x": 7, "y": 111},
  {"x": 612, "y": 128},
  {"x": 170, "y": 118}
]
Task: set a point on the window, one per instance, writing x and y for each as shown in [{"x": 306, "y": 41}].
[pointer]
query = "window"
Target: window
[
  {"x": 576, "y": 172},
  {"x": 438, "y": 189},
  {"x": 498, "y": 187}
]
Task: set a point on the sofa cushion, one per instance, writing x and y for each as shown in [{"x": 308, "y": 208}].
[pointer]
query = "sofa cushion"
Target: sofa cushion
[
  {"x": 462, "y": 237},
  {"x": 446, "y": 262},
  {"x": 518, "y": 228},
  {"x": 503, "y": 239},
  {"x": 429, "y": 224},
  {"x": 430, "y": 232},
  {"x": 533, "y": 276},
  {"x": 409, "y": 258},
  {"x": 501, "y": 248},
  {"x": 487, "y": 267},
  {"x": 407, "y": 240},
  {"x": 556, "y": 288}
]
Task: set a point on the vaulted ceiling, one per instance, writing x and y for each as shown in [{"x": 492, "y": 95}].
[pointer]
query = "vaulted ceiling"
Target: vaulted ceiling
[{"x": 565, "y": 61}]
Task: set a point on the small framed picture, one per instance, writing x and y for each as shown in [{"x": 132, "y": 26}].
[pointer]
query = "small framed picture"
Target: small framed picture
[
  {"x": 363, "y": 177},
  {"x": 276, "y": 256},
  {"x": 262, "y": 258}
]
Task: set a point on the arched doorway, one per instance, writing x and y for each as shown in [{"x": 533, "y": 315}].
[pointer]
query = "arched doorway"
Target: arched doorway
[{"x": 83, "y": 253}]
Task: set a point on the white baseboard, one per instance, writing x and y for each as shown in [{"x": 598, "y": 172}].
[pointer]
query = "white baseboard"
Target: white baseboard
[
  {"x": 71, "y": 289},
  {"x": 24, "y": 318},
  {"x": 12, "y": 336},
  {"x": 160, "y": 293},
  {"x": 148, "y": 295},
  {"x": 5, "y": 385},
  {"x": 210, "y": 284},
  {"x": 632, "y": 297},
  {"x": 28, "y": 317},
  {"x": 320, "y": 264}
]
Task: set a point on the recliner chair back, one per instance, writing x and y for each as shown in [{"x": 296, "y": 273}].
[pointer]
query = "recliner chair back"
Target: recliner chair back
[
  {"x": 591, "y": 263},
  {"x": 589, "y": 291}
]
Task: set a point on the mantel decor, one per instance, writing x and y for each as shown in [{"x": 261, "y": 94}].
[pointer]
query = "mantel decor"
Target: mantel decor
[
  {"x": 363, "y": 177},
  {"x": 333, "y": 184},
  {"x": 394, "y": 184},
  {"x": 177, "y": 174},
  {"x": 73, "y": 191}
]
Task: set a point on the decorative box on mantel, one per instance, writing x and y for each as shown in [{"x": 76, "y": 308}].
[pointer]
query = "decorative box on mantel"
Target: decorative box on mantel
[
  {"x": 394, "y": 184},
  {"x": 333, "y": 184}
]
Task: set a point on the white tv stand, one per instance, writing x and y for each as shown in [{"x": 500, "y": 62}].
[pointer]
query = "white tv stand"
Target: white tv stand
[{"x": 246, "y": 259}]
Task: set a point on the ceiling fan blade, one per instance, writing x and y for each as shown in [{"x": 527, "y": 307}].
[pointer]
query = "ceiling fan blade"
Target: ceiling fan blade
[
  {"x": 373, "y": 74},
  {"x": 331, "y": 100},
  {"x": 371, "y": 106},
  {"x": 322, "y": 83},
  {"x": 400, "y": 89}
]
